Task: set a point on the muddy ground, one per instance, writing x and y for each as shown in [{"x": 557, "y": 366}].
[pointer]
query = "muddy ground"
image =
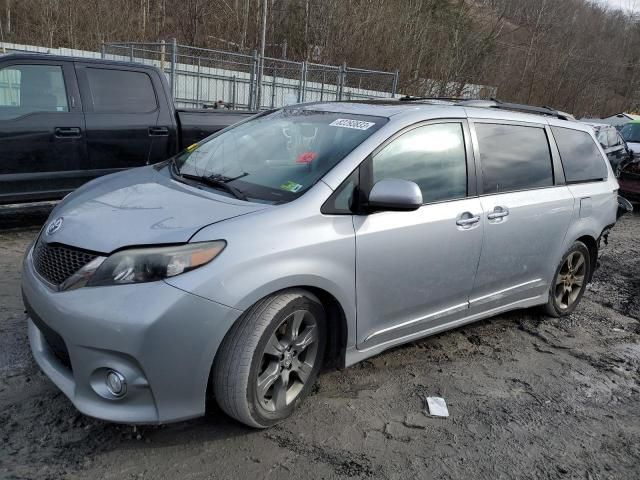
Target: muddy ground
[{"x": 529, "y": 397}]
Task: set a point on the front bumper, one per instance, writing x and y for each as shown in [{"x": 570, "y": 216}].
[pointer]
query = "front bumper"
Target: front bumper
[{"x": 162, "y": 339}]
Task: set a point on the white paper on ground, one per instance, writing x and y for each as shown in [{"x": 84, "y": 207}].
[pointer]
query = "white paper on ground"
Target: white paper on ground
[{"x": 437, "y": 407}]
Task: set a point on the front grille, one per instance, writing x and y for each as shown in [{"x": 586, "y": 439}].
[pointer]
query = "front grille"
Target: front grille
[{"x": 56, "y": 263}]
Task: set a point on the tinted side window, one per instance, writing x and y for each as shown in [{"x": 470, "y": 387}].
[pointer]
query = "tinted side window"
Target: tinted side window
[
  {"x": 31, "y": 88},
  {"x": 513, "y": 157},
  {"x": 118, "y": 91},
  {"x": 581, "y": 158},
  {"x": 432, "y": 156}
]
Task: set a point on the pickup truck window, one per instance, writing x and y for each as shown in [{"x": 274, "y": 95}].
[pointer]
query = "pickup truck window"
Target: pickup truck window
[
  {"x": 28, "y": 89},
  {"x": 121, "y": 91},
  {"x": 275, "y": 158}
]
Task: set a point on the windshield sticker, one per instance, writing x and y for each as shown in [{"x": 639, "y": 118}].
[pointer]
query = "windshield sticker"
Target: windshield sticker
[
  {"x": 356, "y": 124},
  {"x": 292, "y": 187},
  {"x": 306, "y": 157}
]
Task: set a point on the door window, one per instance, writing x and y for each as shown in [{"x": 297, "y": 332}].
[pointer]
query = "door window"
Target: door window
[
  {"x": 513, "y": 157},
  {"x": 28, "y": 89},
  {"x": 602, "y": 137},
  {"x": 581, "y": 158},
  {"x": 120, "y": 91},
  {"x": 613, "y": 139},
  {"x": 433, "y": 156}
]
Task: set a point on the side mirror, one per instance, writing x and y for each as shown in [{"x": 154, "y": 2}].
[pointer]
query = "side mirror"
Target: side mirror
[
  {"x": 395, "y": 195},
  {"x": 624, "y": 207}
]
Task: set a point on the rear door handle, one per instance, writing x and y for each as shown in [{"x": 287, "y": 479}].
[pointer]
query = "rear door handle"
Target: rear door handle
[
  {"x": 158, "y": 131},
  {"x": 467, "y": 219},
  {"x": 67, "y": 132},
  {"x": 498, "y": 212}
]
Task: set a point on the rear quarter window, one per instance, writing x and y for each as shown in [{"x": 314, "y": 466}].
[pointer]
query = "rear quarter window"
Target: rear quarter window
[{"x": 581, "y": 157}]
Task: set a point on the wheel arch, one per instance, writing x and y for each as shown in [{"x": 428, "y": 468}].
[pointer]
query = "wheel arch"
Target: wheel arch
[
  {"x": 336, "y": 307},
  {"x": 592, "y": 245}
]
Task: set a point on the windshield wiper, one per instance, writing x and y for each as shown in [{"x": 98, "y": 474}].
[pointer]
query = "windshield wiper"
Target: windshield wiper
[{"x": 217, "y": 181}]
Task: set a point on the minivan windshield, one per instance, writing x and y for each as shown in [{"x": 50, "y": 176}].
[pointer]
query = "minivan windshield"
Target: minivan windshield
[
  {"x": 275, "y": 158},
  {"x": 631, "y": 132}
]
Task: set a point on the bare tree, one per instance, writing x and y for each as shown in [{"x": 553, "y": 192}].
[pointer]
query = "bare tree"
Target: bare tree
[{"x": 576, "y": 55}]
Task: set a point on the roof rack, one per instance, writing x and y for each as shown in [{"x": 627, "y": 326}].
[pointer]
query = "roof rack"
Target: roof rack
[
  {"x": 516, "y": 107},
  {"x": 492, "y": 103},
  {"x": 411, "y": 98}
]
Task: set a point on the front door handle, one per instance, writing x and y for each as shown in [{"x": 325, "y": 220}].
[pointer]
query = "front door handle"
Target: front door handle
[
  {"x": 67, "y": 132},
  {"x": 467, "y": 219},
  {"x": 158, "y": 131},
  {"x": 498, "y": 212}
]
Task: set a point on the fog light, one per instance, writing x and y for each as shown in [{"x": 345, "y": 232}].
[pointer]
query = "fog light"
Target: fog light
[{"x": 116, "y": 384}]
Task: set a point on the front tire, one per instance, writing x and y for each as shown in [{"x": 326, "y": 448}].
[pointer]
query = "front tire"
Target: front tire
[
  {"x": 270, "y": 359},
  {"x": 569, "y": 281}
]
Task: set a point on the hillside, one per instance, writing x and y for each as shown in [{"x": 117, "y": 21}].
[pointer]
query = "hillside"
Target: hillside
[{"x": 571, "y": 54}]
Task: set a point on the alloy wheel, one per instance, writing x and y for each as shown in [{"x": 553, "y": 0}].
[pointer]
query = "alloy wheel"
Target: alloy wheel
[
  {"x": 287, "y": 361},
  {"x": 570, "y": 280}
]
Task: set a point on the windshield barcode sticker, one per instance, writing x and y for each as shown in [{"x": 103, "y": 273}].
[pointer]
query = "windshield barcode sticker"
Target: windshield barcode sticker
[{"x": 357, "y": 124}]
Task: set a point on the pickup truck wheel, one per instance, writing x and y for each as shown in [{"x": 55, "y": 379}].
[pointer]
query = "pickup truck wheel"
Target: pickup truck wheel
[
  {"x": 270, "y": 359},
  {"x": 569, "y": 281}
]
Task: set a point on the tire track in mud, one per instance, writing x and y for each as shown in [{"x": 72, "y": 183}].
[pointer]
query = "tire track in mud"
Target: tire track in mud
[{"x": 342, "y": 462}]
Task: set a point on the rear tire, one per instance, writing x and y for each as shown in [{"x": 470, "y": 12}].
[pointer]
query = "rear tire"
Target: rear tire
[
  {"x": 569, "y": 282},
  {"x": 270, "y": 359}
]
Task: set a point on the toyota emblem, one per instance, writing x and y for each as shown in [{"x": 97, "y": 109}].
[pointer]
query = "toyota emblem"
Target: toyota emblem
[{"x": 54, "y": 226}]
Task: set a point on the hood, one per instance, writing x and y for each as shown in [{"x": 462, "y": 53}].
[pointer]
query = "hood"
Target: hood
[
  {"x": 138, "y": 207},
  {"x": 635, "y": 146}
]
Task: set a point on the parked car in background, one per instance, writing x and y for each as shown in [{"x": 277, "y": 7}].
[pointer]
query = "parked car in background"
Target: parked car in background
[
  {"x": 617, "y": 150},
  {"x": 629, "y": 172},
  {"x": 631, "y": 134},
  {"x": 64, "y": 121},
  {"x": 321, "y": 231}
]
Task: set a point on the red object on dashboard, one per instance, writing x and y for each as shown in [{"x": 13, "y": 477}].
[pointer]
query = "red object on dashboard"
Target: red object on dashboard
[{"x": 306, "y": 157}]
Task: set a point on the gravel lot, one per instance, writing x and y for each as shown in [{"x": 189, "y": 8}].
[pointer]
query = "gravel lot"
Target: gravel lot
[{"x": 529, "y": 397}]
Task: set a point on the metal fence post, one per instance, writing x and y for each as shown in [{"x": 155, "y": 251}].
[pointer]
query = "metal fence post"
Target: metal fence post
[
  {"x": 394, "y": 87},
  {"x": 304, "y": 88},
  {"x": 103, "y": 51},
  {"x": 198, "y": 83},
  {"x": 131, "y": 53},
  {"x": 302, "y": 83},
  {"x": 233, "y": 93},
  {"x": 342, "y": 79},
  {"x": 174, "y": 57},
  {"x": 163, "y": 51},
  {"x": 273, "y": 88},
  {"x": 252, "y": 81}
]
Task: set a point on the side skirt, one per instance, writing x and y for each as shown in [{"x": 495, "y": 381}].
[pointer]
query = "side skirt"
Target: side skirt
[{"x": 353, "y": 355}]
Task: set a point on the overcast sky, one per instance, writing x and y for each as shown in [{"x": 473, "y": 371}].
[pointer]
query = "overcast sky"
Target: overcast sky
[{"x": 632, "y": 5}]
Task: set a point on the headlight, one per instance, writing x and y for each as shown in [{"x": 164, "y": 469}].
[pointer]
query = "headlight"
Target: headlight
[{"x": 139, "y": 265}]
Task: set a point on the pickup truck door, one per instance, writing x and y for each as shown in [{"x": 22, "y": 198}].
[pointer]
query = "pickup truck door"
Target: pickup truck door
[
  {"x": 122, "y": 110},
  {"x": 42, "y": 143}
]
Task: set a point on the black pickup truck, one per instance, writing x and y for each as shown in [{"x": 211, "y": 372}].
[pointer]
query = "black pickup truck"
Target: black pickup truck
[{"x": 64, "y": 121}]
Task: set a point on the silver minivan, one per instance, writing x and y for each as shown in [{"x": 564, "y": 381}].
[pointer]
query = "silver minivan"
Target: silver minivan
[{"x": 324, "y": 232}]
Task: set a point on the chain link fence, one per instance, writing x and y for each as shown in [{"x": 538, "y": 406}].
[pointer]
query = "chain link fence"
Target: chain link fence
[{"x": 206, "y": 78}]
